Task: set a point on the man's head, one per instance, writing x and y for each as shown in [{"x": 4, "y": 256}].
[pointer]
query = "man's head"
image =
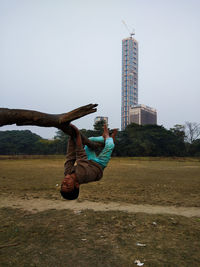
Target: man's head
[{"x": 70, "y": 187}]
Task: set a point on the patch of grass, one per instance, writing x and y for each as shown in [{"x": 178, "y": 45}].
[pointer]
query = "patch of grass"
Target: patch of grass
[
  {"x": 149, "y": 182},
  {"x": 88, "y": 238},
  {"x": 138, "y": 181}
]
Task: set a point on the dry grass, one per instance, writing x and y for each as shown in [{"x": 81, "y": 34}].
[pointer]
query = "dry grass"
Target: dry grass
[
  {"x": 64, "y": 238},
  {"x": 162, "y": 182},
  {"x": 138, "y": 181}
]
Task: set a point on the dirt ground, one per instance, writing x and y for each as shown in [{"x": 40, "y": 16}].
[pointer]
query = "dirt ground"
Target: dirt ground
[{"x": 37, "y": 205}]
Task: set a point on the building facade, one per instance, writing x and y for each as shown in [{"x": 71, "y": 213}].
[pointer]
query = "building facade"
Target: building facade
[
  {"x": 129, "y": 79},
  {"x": 143, "y": 115}
]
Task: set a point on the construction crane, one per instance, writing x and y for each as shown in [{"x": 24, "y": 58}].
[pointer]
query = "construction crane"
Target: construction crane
[{"x": 130, "y": 32}]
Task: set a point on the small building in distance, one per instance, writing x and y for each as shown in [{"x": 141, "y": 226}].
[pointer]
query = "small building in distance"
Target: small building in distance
[
  {"x": 142, "y": 114},
  {"x": 101, "y": 118}
]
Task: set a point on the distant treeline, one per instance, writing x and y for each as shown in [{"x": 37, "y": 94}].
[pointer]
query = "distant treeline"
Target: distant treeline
[{"x": 135, "y": 140}]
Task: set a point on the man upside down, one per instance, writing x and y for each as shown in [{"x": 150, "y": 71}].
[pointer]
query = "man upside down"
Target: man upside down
[{"x": 82, "y": 164}]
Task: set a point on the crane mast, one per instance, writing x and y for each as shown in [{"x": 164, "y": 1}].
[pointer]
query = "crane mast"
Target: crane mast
[{"x": 128, "y": 29}]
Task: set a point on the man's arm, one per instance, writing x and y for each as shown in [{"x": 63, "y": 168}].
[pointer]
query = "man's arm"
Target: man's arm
[
  {"x": 78, "y": 136},
  {"x": 80, "y": 151},
  {"x": 70, "y": 157}
]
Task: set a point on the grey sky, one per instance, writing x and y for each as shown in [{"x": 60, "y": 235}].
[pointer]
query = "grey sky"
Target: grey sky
[{"x": 58, "y": 55}]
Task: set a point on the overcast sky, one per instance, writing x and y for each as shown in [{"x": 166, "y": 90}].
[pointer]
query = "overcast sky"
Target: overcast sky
[{"x": 58, "y": 55}]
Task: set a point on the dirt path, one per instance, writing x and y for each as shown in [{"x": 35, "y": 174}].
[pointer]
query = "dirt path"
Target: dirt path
[{"x": 36, "y": 205}]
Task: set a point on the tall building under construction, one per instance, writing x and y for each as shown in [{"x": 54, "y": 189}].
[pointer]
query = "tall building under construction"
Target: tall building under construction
[{"x": 129, "y": 78}]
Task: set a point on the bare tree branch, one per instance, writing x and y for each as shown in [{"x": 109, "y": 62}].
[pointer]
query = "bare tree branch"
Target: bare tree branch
[
  {"x": 31, "y": 117},
  {"x": 192, "y": 130},
  {"x": 61, "y": 121}
]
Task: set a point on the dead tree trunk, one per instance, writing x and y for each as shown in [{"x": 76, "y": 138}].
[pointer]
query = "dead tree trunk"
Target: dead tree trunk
[{"x": 61, "y": 121}]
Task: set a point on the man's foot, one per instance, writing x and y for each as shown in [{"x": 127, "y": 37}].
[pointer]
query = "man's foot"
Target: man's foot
[
  {"x": 105, "y": 132},
  {"x": 114, "y": 133}
]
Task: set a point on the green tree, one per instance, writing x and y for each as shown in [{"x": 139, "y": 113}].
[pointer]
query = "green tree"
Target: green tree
[
  {"x": 18, "y": 142},
  {"x": 179, "y": 131},
  {"x": 98, "y": 127},
  {"x": 149, "y": 140}
]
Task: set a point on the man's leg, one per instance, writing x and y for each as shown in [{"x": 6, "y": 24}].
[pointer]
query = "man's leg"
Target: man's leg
[
  {"x": 114, "y": 133},
  {"x": 91, "y": 155},
  {"x": 105, "y": 154}
]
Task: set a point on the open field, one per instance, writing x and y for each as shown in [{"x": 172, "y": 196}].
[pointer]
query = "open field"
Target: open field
[
  {"x": 136, "y": 181},
  {"x": 38, "y": 233}
]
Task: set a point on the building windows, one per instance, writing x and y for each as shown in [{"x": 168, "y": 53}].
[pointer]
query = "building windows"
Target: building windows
[{"x": 129, "y": 78}]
